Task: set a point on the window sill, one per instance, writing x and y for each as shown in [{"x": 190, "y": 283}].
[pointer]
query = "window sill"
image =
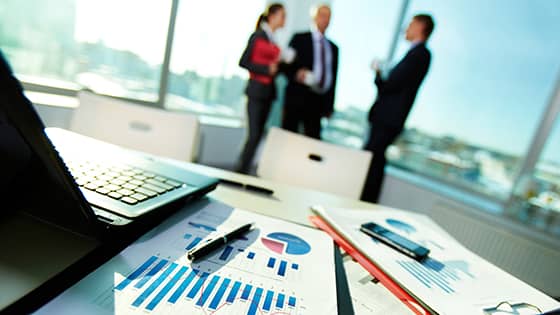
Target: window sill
[
  {"x": 53, "y": 100},
  {"x": 72, "y": 102},
  {"x": 490, "y": 205}
]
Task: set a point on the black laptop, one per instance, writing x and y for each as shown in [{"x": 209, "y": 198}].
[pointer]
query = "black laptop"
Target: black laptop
[{"x": 79, "y": 183}]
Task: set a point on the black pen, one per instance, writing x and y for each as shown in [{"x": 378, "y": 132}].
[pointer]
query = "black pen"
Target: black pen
[
  {"x": 207, "y": 247},
  {"x": 249, "y": 187}
]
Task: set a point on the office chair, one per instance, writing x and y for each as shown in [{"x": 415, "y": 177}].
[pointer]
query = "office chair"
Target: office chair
[
  {"x": 298, "y": 160},
  {"x": 152, "y": 130}
]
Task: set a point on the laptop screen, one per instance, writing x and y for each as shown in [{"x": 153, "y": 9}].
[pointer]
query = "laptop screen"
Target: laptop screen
[{"x": 33, "y": 177}]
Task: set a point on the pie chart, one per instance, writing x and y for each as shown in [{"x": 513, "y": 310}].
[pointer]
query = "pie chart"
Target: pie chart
[
  {"x": 285, "y": 243},
  {"x": 403, "y": 226}
]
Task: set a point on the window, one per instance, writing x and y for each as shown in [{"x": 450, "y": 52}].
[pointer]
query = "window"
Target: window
[
  {"x": 537, "y": 197},
  {"x": 209, "y": 39},
  {"x": 112, "y": 47},
  {"x": 493, "y": 69},
  {"x": 363, "y": 31}
]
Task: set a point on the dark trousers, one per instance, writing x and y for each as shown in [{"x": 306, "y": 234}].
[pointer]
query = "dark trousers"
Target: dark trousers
[
  {"x": 308, "y": 113},
  {"x": 257, "y": 113},
  {"x": 379, "y": 139}
]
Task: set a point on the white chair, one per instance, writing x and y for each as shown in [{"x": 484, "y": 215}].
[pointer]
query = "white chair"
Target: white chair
[
  {"x": 156, "y": 131},
  {"x": 298, "y": 160}
]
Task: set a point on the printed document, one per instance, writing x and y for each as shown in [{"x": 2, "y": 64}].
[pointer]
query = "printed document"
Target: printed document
[{"x": 277, "y": 268}]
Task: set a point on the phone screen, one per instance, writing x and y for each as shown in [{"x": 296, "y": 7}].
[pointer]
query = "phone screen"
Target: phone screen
[{"x": 395, "y": 240}]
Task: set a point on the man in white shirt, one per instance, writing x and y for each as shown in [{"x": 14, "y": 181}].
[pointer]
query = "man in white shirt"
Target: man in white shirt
[{"x": 311, "y": 77}]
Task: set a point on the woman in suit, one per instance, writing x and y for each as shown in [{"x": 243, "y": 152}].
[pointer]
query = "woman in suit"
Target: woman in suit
[{"x": 261, "y": 57}]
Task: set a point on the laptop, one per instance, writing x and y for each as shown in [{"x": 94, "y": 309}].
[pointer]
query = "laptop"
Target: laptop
[{"x": 78, "y": 183}]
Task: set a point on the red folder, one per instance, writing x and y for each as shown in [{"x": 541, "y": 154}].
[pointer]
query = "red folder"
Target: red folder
[
  {"x": 375, "y": 271},
  {"x": 264, "y": 53}
]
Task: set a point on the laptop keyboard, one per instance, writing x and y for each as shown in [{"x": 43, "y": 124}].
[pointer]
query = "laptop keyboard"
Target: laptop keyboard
[{"x": 130, "y": 185}]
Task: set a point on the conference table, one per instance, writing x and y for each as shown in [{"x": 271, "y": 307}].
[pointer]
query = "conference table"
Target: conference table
[{"x": 33, "y": 255}]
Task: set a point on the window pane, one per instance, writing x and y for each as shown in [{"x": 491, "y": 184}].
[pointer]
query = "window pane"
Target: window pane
[
  {"x": 493, "y": 68},
  {"x": 209, "y": 39},
  {"x": 110, "y": 46},
  {"x": 537, "y": 197},
  {"x": 363, "y": 31}
]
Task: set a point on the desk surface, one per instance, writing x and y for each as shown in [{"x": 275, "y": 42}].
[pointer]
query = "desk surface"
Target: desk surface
[
  {"x": 288, "y": 202},
  {"x": 36, "y": 258}
]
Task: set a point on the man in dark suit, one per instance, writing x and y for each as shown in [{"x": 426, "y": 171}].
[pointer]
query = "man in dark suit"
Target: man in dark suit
[
  {"x": 311, "y": 78},
  {"x": 395, "y": 97}
]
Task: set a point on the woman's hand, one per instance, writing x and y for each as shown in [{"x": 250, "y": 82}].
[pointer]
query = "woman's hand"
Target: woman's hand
[{"x": 273, "y": 69}]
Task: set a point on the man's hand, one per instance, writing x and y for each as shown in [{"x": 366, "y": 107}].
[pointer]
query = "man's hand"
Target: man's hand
[
  {"x": 376, "y": 65},
  {"x": 301, "y": 74}
]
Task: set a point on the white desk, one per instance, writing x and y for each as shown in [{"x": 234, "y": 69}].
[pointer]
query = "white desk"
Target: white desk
[
  {"x": 28, "y": 260},
  {"x": 288, "y": 202}
]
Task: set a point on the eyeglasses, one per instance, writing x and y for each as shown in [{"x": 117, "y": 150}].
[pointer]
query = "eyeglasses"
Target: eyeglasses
[{"x": 505, "y": 306}]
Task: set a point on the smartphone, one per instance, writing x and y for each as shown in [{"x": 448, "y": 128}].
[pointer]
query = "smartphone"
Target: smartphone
[{"x": 395, "y": 241}]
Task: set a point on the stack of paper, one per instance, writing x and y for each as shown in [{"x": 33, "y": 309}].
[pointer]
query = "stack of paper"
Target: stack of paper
[
  {"x": 453, "y": 280},
  {"x": 368, "y": 296}
]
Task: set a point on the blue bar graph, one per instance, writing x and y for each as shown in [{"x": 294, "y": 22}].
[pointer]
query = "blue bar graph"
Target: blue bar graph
[
  {"x": 151, "y": 273},
  {"x": 136, "y": 273},
  {"x": 225, "y": 254},
  {"x": 429, "y": 277},
  {"x": 218, "y": 297},
  {"x": 194, "y": 243},
  {"x": 246, "y": 292},
  {"x": 169, "y": 275},
  {"x": 207, "y": 291},
  {"x": 154, "y": 285},
  {"x": 292, "y": 301},
  {"x": 271, "y": 262},
  {"x": 183, "y": 286},
  {"x": 203, "y": 226},
  {"x": 187, "y": 236},
  {"x": 268, "y": 300},
  {"x": 192, "y": 293},
  {"x": 233, "y": 292},
  {"x": 255, "y": 302},
  {"x": 251, "y": 255},
  {"x": 282, "y": 269},
  {"x": 155, "y": 301},
  {"x": 280, "y": 301}
]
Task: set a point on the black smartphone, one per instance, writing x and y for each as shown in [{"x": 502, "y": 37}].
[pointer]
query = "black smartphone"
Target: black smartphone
[{"x": 395, "y": 240}]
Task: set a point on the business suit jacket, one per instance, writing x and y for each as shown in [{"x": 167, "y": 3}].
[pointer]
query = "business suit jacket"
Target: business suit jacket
[
  {"x": 396, "y": 94},
  {"x": 297, "y": 93},
  {"x": 258, "y": 87}
]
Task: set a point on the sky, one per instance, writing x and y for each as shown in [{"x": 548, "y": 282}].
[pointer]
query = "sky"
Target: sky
[
  {"x": 493, "y": 68},
  {"x": 143, "y": 30}
]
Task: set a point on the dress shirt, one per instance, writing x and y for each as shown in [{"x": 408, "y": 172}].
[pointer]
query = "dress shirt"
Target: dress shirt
[{"x": 317, "y": 69}]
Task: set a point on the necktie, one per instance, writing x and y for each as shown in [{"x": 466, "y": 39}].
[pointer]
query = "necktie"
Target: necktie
[{"x": 322, "y": 60}]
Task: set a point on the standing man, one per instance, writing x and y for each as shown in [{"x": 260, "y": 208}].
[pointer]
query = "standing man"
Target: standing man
[
  {"x": 311, "y": 78},
  {"x": 395, "y": 97}
]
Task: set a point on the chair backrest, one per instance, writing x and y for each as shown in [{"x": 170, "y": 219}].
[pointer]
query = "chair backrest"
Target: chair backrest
[
  {"x": 298, "y": 160},
  {"x": 152, "y": 130}
]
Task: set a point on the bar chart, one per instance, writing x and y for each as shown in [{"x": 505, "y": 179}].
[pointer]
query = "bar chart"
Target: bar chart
[
  {"x": 202, "y": 226},
  {"x": 158, "y": 283},
  {"x": 243, "y": 277},
  {"x": 437, "y": 275},
  {"x": 281, "y": 267}
]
